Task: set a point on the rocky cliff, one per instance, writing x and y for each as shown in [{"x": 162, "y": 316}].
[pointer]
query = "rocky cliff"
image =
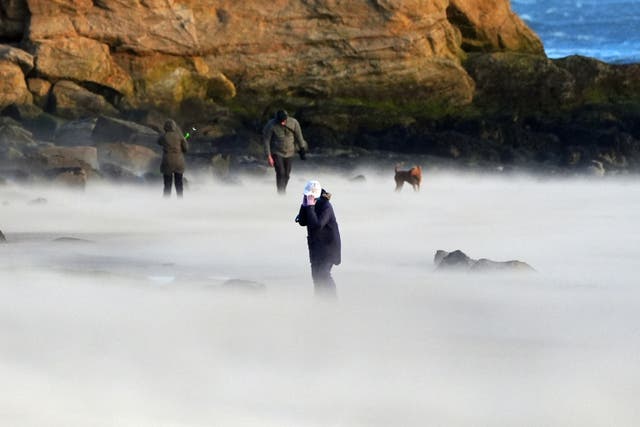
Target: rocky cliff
[{"x": 163, "y": 52}]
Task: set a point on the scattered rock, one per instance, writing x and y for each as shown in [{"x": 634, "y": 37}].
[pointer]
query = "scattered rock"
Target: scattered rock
[
  {"x": 71, "y": 240},
  {"x": 38, "y": 201},
  {"x": 2, "y": 238},
  {"x": 459, "y": 261},
  {"x": 453, "y": 260},
  {"x": 484, "y": 264}
]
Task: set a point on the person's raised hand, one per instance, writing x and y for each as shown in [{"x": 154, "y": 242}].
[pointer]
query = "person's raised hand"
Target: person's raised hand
[{"x": 311, "y": 201}]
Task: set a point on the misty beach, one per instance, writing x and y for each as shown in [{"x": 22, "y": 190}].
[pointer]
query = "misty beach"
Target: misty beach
[
  {"x": 182, "y": 182},
  {"x": 132, "y": 323}
]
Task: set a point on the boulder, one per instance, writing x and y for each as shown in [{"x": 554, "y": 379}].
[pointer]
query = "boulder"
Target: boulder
[
  {"x": 15, "y": 141},
  {"x": 526, "y": 83},
  {"x": 43, "y": 126},
  {"x": 111, "y": 129},
  {"x": 72, "y": 101},
  {"x": 596, "y": 168},
  {"x": 135, "y": 158},
  {"x": 17, "y": 56},
  {"x": 75, "y": 132},
  {"x": 598, "y": 82},
  {"x": 59, "y": 159},
  {"x": 2, "y": 238},
  {"x": 13, "y": 88},
  {"x": 487, "y": 265},
  {"x": 40, "y": 89},
  {"x": 80, "y": 59},
  {"x": 459, "y": 261},
  {"x": 22, "y": 112},
  {"x": 119, "y": 174},
  {"x": 75, "y": 177},
  {"x": 456, "y": 260}
]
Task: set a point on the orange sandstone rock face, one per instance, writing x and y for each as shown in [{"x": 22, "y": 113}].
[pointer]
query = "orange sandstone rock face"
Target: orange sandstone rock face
[{"x": 165, "y": 51}]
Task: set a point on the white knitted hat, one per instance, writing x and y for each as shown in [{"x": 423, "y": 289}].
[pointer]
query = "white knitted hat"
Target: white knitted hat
[{"x": 313, "y": 188}]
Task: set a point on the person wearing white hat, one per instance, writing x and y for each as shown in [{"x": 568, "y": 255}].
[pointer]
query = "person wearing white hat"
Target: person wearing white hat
[{"x": 323, "y": 236}]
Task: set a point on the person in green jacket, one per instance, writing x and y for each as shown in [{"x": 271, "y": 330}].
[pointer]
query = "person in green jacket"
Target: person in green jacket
[
  {"x": 174, "y": 145},
  {"x": 282, "y": 137}
]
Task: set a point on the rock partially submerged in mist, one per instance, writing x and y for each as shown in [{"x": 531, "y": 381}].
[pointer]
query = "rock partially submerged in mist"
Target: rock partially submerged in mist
[
  {"x": 2, "y": 238},
  {"x": 358, "y": 178},
  {"x": 133, "y": 157},
  {"x": 66, "y": 239},
  {"x": 74, "y": 177},
  {"x": 459, "y": 261},
  {"x": 456, "y": 260},
  {"x": 243, "y": 285},
  {"x": 38, "y": 201}
]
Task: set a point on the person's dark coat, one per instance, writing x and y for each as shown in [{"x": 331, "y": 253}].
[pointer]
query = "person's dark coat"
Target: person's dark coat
[
  {"x": 323, "y": 235},
  {"x": 173, "y": 148}
]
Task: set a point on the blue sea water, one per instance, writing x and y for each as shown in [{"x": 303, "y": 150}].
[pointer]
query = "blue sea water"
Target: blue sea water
[{"x": 605, "y": 29}]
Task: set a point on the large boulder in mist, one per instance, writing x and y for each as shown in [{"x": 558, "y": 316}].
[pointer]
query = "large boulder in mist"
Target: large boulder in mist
[
  {"x": 75, "y": 177},
  {"x": 76, "y": 162},
  {"x": 111, "y": 129},
  {"x": 2, "y": 238},
  {"x": 75, "y": 132},
  {"x": 15, "y": 141},
  {"x": 135, "y": 158},
  {"x": 459, "y": 261}
]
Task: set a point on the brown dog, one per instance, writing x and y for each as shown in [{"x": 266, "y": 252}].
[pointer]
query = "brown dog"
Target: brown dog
[{"x": 413, "y": 176}]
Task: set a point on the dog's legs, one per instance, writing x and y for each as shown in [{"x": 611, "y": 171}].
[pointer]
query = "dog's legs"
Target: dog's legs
[{"x": 399, "y": 185}]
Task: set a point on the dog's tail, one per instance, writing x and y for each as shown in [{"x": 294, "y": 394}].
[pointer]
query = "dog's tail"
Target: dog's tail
[{"x": 397, "y": 168}]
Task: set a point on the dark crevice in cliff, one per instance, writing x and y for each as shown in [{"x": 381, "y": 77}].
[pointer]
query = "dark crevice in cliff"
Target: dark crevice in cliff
[
  {"x": 471, "y": 41},
  {"x": 110, "y": 95}
]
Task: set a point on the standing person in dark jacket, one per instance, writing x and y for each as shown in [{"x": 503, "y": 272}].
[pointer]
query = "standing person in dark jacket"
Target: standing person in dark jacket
[
  {"x": 323, "y": 236},
  {"x": 282, "y": 137},
  {"x": 174, "y": 145}
]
